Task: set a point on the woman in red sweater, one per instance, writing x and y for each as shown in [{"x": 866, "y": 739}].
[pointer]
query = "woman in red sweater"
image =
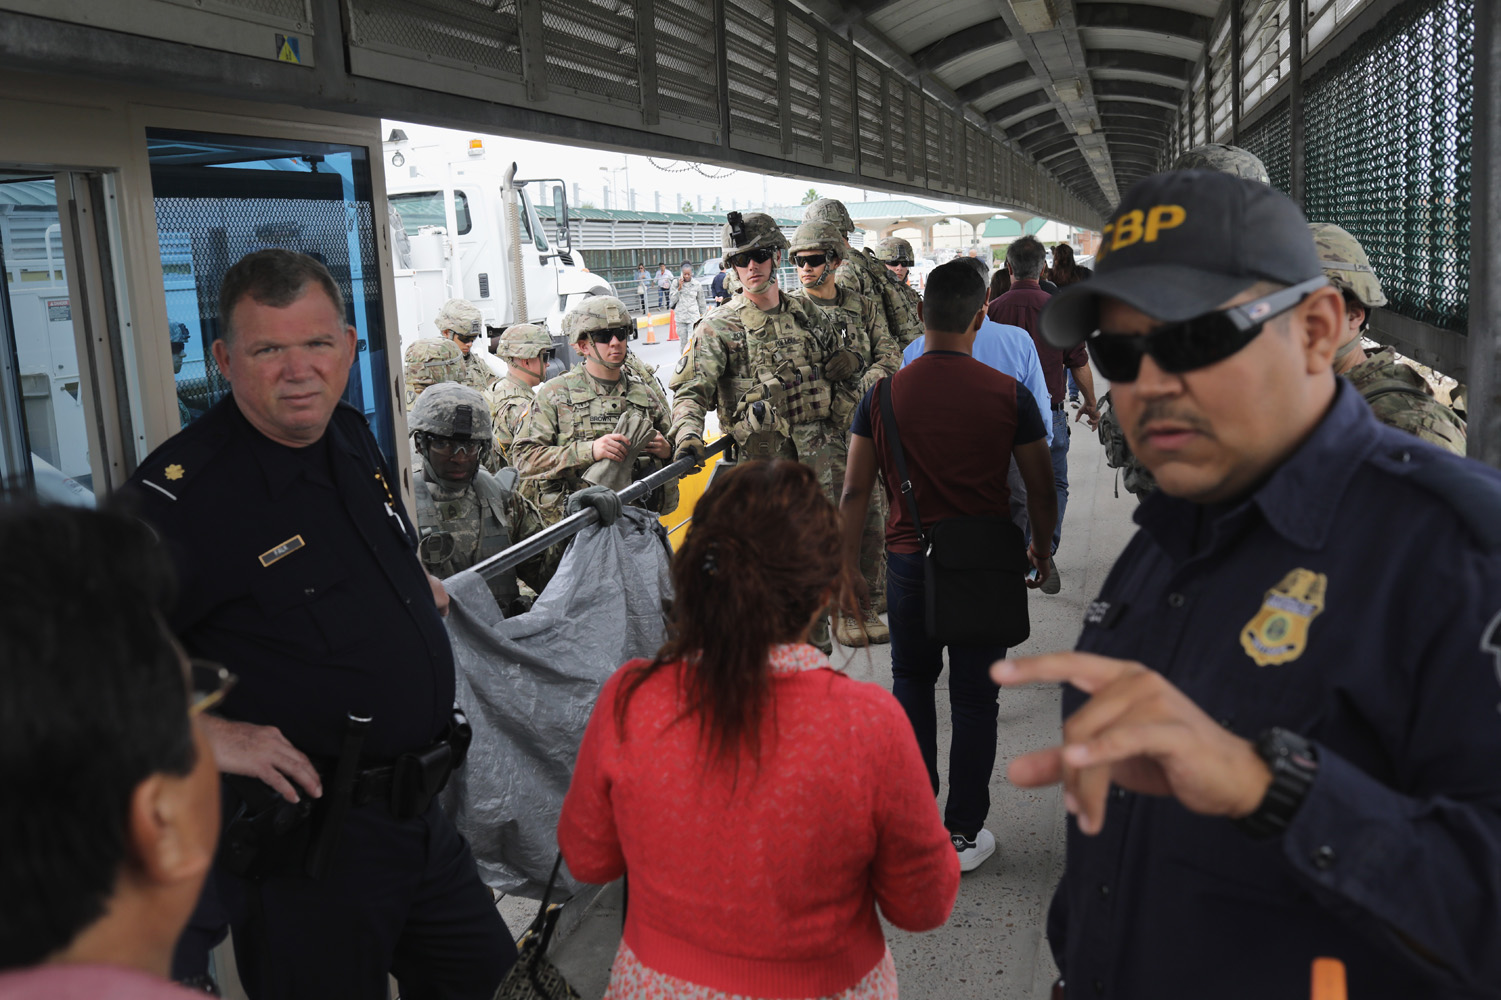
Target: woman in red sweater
[{"x": 763, "y": 803}]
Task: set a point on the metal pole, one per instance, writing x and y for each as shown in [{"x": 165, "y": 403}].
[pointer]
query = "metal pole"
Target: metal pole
[
  {"x": 1295, "y": 103},
  {"x": 1237, "y": 72},
  {"x": 1484, "y": 375},
  {"x": 508, "y": 559}
]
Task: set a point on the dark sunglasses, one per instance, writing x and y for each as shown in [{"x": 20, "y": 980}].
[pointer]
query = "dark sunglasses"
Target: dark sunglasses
[
  {"x": 752, "y": 256},
  {"x": 1194, "y": 343},
  {"x": 899, "y": 263},
  {"x": 610, "y": 333},
  {"x": 447, "y": 447},
  {"x": 467, "y": 338},
  {"x": 810, "y": 260}
]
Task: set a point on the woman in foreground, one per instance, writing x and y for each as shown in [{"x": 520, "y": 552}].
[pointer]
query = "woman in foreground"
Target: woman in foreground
[{"x": 763, "y": 803}]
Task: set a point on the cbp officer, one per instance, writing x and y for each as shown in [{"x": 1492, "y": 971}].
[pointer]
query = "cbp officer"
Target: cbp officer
[
  {"x": 299, "y": 573},
  {"x": 1278, "y": 743}
]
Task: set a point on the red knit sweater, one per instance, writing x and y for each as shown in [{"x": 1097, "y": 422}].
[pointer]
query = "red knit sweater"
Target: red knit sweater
[{"x": 766, "y": 886}]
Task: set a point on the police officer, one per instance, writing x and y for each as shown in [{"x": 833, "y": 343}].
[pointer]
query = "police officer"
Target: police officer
[
  {"x": 579, "y": 418},
  {"x": 1397, "y": 393},
  {"x": 464, "y": 514},
  {"x": 817, "y": 250},
  {"x": 896, "y": 255},
  {"x": 769, "y": 363},
  {"x": 461, "y": 322},
  {"x": 1278, "y": 743},
  {"x": 298, "y": 571},
  {"x": 429, "y": 361},
  {"x": 526, "y": 349},
  {"x": 862, "y": 274}
]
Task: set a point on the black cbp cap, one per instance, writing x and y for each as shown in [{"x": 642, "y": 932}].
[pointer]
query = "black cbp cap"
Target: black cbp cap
[{"x": 1181, "y": 244}]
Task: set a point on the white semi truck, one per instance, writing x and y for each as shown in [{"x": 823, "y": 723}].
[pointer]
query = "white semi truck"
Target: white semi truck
[{"x": 465, "y": 226}]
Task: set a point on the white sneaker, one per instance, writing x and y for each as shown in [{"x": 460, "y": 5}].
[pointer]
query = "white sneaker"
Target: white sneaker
[{"x": 972, "y": 853}]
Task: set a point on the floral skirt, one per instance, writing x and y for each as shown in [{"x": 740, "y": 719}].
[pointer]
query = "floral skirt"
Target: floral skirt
[{"x": 630, "y": 980}]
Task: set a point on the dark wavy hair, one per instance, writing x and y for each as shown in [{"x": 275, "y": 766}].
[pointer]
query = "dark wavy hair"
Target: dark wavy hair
[
  {"x": 761, "y": 559},
  {"x": 1064, "y": 271}
]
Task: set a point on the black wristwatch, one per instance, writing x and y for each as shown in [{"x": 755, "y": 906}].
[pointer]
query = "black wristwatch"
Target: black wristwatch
[{"x": 1294, "y": 763}]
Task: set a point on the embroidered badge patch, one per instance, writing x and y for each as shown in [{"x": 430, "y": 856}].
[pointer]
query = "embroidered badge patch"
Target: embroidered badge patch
[
  {"x": 286, "y": 548},
  {"x": 1279, "y": 631}
]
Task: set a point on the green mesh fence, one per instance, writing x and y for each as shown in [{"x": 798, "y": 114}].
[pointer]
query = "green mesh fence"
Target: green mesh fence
[
  {"x": 1269, "y": 140},
  {"x": 1387, "y": 154}
]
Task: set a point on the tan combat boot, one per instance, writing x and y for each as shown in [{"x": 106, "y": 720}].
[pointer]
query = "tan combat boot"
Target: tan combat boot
[
  {"x": 847, "y": 631},
  {"x": 876, "y": 629}
]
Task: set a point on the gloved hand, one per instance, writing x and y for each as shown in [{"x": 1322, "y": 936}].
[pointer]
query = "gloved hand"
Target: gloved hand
[
  {"x": 605, "y": 501},
  {"x": 842, "y": 364},
  {"x": 690, "y": 446}
]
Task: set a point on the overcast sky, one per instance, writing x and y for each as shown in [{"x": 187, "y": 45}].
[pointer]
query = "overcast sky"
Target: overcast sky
[{"x": 649, "y": 175}]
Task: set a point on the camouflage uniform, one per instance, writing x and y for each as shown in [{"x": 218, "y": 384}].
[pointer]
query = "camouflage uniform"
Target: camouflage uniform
[
  {"x": 909, "y": 328},
  {"x": 461, "y": 316},
  {"x": 1397, "y": 393},
  {"x": 864, "y": 276},
  {"x": 1224, "y": 159},
  {"x": 461, "y": 524},
  {"x": 554, "y": 445},
  {"x": 428, "y": 361},
  {"x": 511, "y": 397}
]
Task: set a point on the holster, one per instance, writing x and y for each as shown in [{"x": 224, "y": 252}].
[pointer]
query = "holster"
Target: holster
[
  {"x": 408, "y": 786},
  {"x": 264, "y": 834}
]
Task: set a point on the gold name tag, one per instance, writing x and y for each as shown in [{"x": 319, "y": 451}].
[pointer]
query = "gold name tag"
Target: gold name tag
[{"x": 286, "y": 548}]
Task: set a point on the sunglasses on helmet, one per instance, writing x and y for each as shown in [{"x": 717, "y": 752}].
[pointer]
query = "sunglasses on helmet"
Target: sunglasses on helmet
[
  {"x": 810, "y": 260},
  {"x": 610, "y": 333},
  {"x": 1194, "y": 343},
  {"x": 760, "y": 256}
]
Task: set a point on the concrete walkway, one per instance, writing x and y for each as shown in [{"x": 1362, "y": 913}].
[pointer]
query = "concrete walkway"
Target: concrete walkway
[{"x": 992, "y": 945}]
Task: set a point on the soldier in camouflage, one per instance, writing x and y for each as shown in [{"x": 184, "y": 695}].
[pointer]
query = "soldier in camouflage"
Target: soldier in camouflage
[
  {"x": 896, "y": 255},
  {"x": 525, "y": 348},
  {"x": 1396, "y": 392},
  {"x": 428, "y": 362},
  {"x": 460, "y": 321},
  {"x": 575, "y": 420},
  {"x": 817, "y": 250},
  {"x": 464, "y": 514},
  {"x": 862, "y": 274},
  {"x": 769, "y": 363},
  {"x": 1226, "y": 160}
]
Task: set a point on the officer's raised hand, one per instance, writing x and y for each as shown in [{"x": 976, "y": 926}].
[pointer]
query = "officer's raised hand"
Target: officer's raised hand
[
  {"x": 604, "y": 501},
  {"x": 611, "y": 446},
  {"x": 1138, "y": 731},
  {"x": 262, "y": 752}
]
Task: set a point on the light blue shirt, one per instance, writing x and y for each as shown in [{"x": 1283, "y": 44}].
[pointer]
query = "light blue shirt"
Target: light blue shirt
[{"x": 1010, "y": 351}]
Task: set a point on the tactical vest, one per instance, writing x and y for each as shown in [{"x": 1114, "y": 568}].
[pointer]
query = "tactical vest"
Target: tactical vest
[
  {"x": 586, "y": 415},
  {"x": 777, "y": 349},
  {"x": 446, "y": 532}
]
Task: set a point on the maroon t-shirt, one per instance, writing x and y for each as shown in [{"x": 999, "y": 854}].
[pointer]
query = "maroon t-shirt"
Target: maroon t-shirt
[
  {"x": 959, "y": 420},
  {"x": 1019, "y": 307}
]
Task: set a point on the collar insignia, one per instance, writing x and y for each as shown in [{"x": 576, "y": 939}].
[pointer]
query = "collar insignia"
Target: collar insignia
[{"x": 174, "y": 472}]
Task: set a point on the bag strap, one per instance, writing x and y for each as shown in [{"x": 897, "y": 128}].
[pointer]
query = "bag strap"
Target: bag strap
[
  {"x": 542, "y": 925},
  {"x": 888, "y": 417}
]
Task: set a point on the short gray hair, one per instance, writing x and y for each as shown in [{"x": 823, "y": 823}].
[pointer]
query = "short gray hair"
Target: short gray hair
[
  {"x": 274, "y": 278},
  {"x": 1025, "y": 258}
]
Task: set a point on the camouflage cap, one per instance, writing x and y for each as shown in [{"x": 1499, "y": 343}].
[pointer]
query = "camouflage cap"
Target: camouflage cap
[
  {"x": 524, "y": 340},
  {"x": 751, "y": 231},
  {"x": 432, "y": 360},
  {"x": 817, "y": 235},
  {"x": 1346, "y": 265},
  {"x": 459, "y": 316},
  {"x": 892, "y": 249},
  {"x": 452, "y": 410},
  {"x": 179, "y": 335},
  {"x": 597, "y": 312},
  {"x": 1225, "y": 159},
  {"x": 829, "y": 210}
]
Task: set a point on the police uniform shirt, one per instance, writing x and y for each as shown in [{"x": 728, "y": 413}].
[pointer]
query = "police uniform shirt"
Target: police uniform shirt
[
  {"x": 297, "y": 570},
  {"x": 1355, "y": 599}
]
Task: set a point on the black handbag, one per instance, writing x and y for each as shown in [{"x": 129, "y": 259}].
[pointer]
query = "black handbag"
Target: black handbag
[
  {"x": 974, "y": 568},
  {"x": 534, "y": 977}
]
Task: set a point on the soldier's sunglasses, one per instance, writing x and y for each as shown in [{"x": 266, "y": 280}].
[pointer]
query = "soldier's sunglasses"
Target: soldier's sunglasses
[
  {"x": 899, "y": 263},
  {"x": 447, "y": 447},
  {"x": 810, "y": 260},
  {"x": 467, "y": 338},
  {"x": 752, "y": 256},
  {"x": 1197, "y": 342},
  {"x": 208, "y": 684},
  {"x": 610, "y": 333}
]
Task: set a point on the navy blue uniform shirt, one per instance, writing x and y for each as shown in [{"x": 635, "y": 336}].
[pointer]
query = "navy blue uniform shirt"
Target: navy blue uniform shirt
[
  {"x": 1354, "y": 598},
  {"x": 297, "y": 570}
]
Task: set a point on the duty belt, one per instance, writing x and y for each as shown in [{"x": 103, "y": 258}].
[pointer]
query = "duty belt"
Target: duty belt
[{"x": 407, "y": 787}]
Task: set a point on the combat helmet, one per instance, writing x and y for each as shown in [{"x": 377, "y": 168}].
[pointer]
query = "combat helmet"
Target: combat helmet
[
  {"x": 453, "y": 411},
  {"x": 459, "y": 316},
  {"x": 829, "y": 210},
  {"x": 817, "y": 235},
  {"x": 750, "y": 231},
  {"x": 1225, "y": 159},
  {"x": 892, "y": 249},
  {"x": 597, "y": 312},
  {"x": 1346, "y": 265},
  {"x": 429, "y": 361},
  {"x": 524, "y": 340}
]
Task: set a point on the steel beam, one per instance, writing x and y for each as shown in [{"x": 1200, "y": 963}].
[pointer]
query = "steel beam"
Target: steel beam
[{"x": 1296, "y": 127}]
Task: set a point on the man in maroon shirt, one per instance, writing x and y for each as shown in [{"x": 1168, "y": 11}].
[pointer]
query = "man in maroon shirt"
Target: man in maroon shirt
[
  {"x": 1020, "y": 307},
  {"x": 960, "y": 423}
]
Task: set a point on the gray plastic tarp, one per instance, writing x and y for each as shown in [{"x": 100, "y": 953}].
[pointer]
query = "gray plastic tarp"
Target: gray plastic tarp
[{"x": 529, "y": 683}]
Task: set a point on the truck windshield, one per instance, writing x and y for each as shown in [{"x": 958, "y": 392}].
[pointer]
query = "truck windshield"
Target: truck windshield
[{"x": 425, "y": 208}]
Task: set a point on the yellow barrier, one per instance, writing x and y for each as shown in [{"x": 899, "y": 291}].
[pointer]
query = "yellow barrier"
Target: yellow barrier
[{"x": 690, "y": 488}]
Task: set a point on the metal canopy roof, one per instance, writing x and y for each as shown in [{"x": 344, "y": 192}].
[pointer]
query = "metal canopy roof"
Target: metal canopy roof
[{"x": 1088, "y": 88}]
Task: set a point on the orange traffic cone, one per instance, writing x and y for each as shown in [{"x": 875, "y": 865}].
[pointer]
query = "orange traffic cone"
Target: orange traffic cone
[
  {"x": 651, "y": 333},
  {"x": 672, "y": 324}
]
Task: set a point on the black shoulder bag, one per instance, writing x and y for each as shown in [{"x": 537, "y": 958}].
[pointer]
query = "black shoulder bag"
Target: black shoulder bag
[
  {"x": 534, "y": 977},
  {"x": 974, "y": 568}
]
